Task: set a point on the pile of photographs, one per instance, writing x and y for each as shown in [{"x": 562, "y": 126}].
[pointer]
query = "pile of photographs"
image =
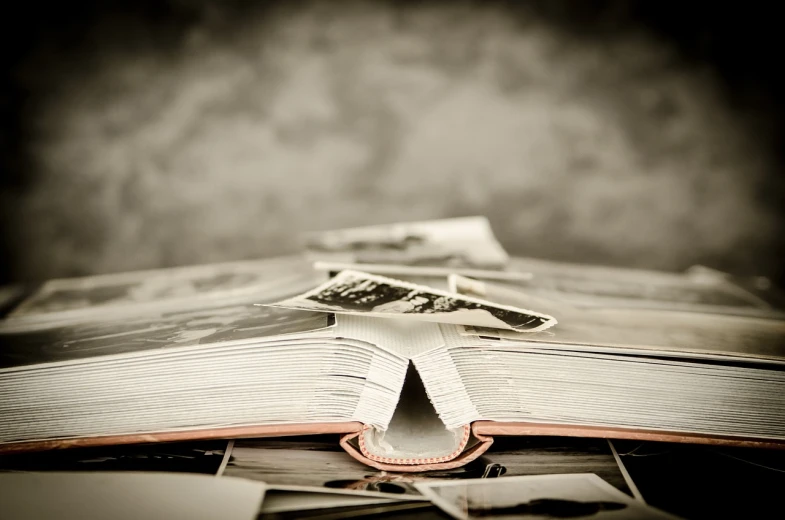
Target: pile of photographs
[{"x": 309, "y": 477}]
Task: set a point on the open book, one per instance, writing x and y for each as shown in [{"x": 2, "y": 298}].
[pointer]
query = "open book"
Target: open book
[{"x": 413, "y": 377}]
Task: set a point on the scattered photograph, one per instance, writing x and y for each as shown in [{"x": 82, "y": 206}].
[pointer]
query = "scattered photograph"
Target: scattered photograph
[
  {"x": 459, "y": 242},
  {"x": 284, "y": 499},
  {"x": 354, "y": 292},
  {"x": 180, "y": 457},
  {"x": 165, "y": 330},
  {"x": 319, "y": 461},
  {"x": 545, "y": 496}
]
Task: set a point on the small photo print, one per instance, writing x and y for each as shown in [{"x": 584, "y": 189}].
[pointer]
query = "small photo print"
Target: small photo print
[
  {"x": 540, "y": 497},
  {"x": 354, "y": 292},
  {"x": 458, "y": 242}
]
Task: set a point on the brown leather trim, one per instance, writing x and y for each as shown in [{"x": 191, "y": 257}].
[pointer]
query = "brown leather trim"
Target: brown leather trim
[
  {"x": 462, "y": 459},
  {"x": 601, "y": 432},
  {"x": 467, "y": 431},
  {"x": 233, "y": 432}
]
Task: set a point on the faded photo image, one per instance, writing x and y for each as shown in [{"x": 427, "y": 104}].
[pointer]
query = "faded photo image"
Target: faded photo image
[
  {"x": 541, "y": 497},
  {"x": 354, "y": 292},
  {"x": 460, "y": 242},
  {"x": 182, "y": 286}
]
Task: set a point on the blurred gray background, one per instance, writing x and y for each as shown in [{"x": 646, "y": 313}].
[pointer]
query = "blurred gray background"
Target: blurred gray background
[{"x": 166, "y": 133}]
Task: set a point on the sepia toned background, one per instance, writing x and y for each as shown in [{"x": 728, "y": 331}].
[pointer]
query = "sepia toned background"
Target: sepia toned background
[{"x": 177, "y": 132}]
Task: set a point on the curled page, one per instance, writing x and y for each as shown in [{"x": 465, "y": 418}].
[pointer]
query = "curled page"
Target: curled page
[{"x": 355, "y": 292}]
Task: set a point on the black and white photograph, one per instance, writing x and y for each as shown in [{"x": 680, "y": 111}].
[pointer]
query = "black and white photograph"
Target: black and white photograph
[
  {"x": 354, "y": 292},
  {"x": 319, "y": 461},
  {"x": 166, "y": 330},
  {"x": 248, "y": 220},
  {"x": 460, "y": 242},
  {"x": 579, "y": 495},
  {"x": 410, "y": 271},
  {"x": 180, "y": 287}
]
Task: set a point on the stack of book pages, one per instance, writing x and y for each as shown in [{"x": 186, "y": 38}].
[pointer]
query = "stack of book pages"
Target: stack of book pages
[{"x": 417, "y": 342}]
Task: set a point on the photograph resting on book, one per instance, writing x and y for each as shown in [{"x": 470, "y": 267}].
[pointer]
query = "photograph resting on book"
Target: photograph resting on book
[
  {"x": 354, "y": 292},
  {"x": 458, "y": 242},
  {"x": 588, "y": 286},
  {"x": 102, "y": 297},
  {"x": 652, "y": 331}
]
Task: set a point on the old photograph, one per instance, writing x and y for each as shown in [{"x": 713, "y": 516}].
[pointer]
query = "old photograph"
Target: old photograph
[
  {"x": 459, "y": 242},
  {"x": 354, "y": 292},
  {"x": 546, "y": 496},
  {"x": 409, "y": 271},
  {"x": 319, "y": 461}
]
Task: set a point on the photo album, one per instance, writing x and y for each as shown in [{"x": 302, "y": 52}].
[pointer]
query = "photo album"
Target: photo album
[{"x": 418, "y": 343}]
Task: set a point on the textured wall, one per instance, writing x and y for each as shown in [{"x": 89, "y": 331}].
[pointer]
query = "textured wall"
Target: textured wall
[{"x": 220, "y": 137}]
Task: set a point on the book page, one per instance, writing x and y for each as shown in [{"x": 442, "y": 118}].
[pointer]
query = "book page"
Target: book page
[
  {"x": 148, "y": 333},
  {"x": 178, "y": 288},
  {"x": 402, "y": 337}
]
